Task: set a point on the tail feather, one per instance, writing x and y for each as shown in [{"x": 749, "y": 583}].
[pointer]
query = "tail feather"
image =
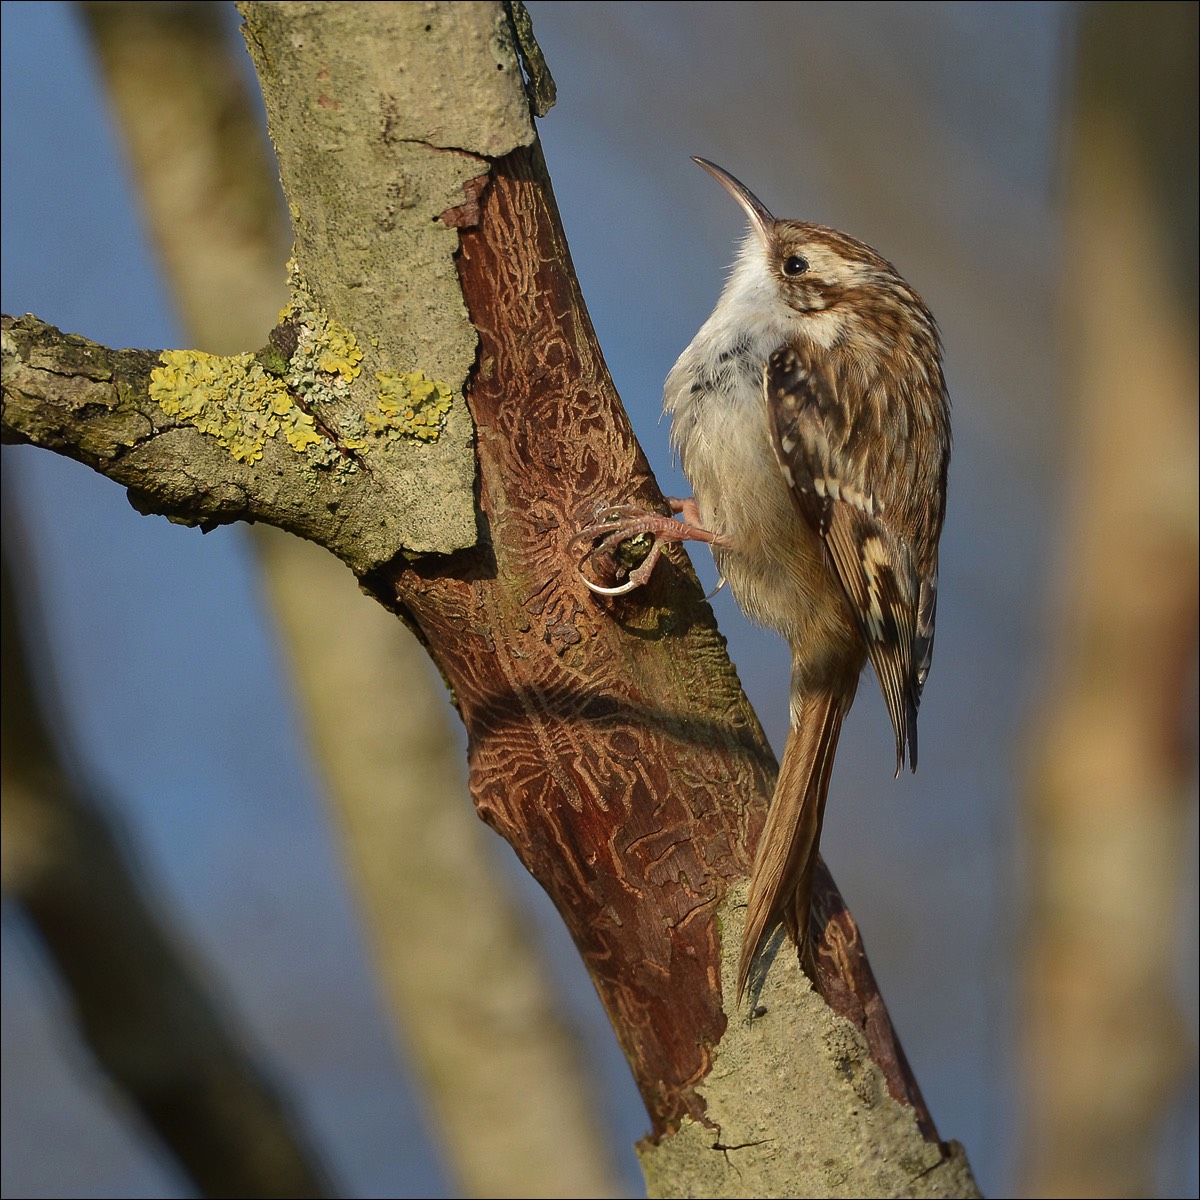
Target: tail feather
[{"x": 782, "y": 882}]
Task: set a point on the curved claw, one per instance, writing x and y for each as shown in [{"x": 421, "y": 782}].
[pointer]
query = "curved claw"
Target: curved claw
[
  {"x": 629, "y": 585},
  {"x": 619, "y": 520},
  {"x": 614, "y": 527},
  {"x": 637, "y": 577},
  {"x": 623, "y": 523}
]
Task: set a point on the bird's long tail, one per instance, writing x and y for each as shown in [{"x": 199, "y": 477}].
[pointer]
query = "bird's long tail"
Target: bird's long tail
[{"x": 782, "y": 882}]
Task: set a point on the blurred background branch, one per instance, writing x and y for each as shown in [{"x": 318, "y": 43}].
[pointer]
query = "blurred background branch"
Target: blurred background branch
[
  {"x": 932, "y": 132},
  {"x": 142, "y": 1005},
  {"x": 1112, "y": 795},
  {"x": 473, "y": 1002}
]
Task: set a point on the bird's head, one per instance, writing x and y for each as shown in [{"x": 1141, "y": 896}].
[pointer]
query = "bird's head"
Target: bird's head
[{"x": 810, "y": 278}]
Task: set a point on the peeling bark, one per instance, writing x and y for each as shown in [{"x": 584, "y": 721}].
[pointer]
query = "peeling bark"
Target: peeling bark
[{"x": 609, "y": 741}]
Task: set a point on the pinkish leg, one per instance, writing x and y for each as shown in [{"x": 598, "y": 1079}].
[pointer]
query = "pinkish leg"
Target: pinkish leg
[
  {"x": 688, "y": 509},
  {"x": 619, "y": 525}
]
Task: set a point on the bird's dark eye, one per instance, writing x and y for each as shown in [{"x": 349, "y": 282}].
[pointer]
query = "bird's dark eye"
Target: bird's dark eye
[{"x": 795, "y": 265}]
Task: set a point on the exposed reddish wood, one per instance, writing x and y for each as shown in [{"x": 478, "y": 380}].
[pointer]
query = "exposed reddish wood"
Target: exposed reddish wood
[
  {"x": 467, "y": 213},
  {"x": 845, "y": 979},
  {"x": 629, "y": 773},
  {"x": 577, "y": 730}
]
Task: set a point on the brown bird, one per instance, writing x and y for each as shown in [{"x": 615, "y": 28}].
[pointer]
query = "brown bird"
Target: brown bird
[{"x": 811, "y": 418}]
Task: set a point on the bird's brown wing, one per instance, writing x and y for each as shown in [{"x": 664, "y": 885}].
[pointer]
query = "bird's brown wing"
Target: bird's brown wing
[{"x": 826, "y": 457}]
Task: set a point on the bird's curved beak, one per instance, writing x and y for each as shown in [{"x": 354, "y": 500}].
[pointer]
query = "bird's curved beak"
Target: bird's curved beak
[{"x": 760, "y": 217}]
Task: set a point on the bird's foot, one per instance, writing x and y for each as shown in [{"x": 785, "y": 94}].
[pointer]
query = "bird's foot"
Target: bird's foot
[{"x": 628, "y": 541}]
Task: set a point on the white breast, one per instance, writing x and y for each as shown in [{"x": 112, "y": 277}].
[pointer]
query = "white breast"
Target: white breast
[{"x": 774, "y": 564}]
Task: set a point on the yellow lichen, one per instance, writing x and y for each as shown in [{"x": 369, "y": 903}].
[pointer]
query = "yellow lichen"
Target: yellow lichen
[
  {"x": 231, "y": 399},
  {"x": 300, "y": 430},
  {"x": 339, "y": 352},
  {"x": 410, "y": 404},
  {"x": 246, "y": 399}
]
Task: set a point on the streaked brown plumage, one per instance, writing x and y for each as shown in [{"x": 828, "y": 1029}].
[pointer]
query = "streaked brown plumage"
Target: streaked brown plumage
[{"x": 811, "y": 418}]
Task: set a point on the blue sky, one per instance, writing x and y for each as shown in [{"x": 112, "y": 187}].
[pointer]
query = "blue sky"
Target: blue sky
[{"x": 930, "y": 131}]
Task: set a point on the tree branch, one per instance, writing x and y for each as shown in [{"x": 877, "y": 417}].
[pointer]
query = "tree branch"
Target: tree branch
[
  {"x": 609, "y": 742},
  {"x": 141, "y": 1008}
]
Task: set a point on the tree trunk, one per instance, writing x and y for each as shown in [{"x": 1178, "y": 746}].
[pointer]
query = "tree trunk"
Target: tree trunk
[
  {"x": 436, "y": 903},
  {"x": 609, "y": 742}
]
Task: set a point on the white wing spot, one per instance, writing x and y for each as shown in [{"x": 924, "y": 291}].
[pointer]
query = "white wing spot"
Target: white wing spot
[
  {"x": 874, "y": 556},
  {"x": 857, "y": 499}
]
